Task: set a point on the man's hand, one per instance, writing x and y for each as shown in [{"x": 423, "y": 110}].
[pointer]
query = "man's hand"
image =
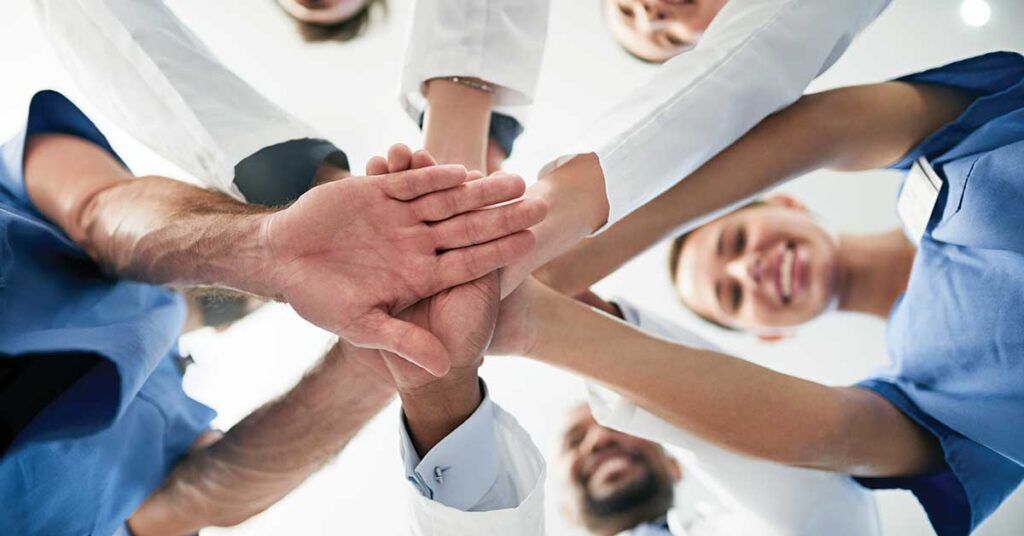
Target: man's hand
[{"x": 349, "y": 254}]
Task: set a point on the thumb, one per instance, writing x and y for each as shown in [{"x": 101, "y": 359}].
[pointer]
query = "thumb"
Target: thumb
[{"x": 406, "y": 339}]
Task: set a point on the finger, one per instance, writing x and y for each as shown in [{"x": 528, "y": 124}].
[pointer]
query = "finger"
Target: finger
[
  {"x": 462, "y": 265},
  {"x": 469, "y": 196},
  {"x": 408, "y": 185},
  {"x": 422, "y": 159},
  {"x": 474, "y": 175},
  {"x": 411, "y": 342},
  {"x": 377, "y": 165},
  {"x": 399, "y": 157},
  {"x": 482, "y": 226}
]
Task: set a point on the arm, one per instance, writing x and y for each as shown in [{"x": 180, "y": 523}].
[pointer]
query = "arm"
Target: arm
[
  {"x": 269, "y": 453},
  {"x": 138, "y": 63},
  {"x": 849, "y": 129},
  {"x": 160, "y": 231},
  {"x": 756, "y": 57},
  {"x": 728, "y": 401},
  {"x": 792, "y": 500}
]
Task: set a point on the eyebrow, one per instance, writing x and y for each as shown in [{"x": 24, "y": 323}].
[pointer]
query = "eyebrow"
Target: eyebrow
[{"x": 721, "y": 241}]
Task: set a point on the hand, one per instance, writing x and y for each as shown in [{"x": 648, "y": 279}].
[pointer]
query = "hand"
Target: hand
[
  {"x": 462, "y": 317},
  {"x": 348, "y": 254}
]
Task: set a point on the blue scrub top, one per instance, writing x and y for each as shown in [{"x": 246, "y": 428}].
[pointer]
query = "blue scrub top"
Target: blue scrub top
[
  {"x": 956, "y": 336},
  {"x": 87, "y": 461}
]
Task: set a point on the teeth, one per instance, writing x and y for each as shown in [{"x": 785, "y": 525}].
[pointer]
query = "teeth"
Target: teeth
[{"x": 787, "y": 273}]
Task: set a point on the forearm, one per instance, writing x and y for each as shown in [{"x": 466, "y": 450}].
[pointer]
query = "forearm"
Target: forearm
[
  {"x": 855, "y": 128},
  {"x": 436, "y": 410},
  {"x": 731, "y": 402},
  {"x": 269, "y": 453},
  {"x": 456, "y": 123},
  {"x": 150, "y": 229}
]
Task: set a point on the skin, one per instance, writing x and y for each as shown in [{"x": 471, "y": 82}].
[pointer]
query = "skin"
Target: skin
[
  {"x": 733, "y": 403},
  {"x": 657, "y": 30},
  {"x": 433, "y": 407},
  {"x": 741, "y": 285},
  {"x": 600, "y": 463},
  {"x": 346, "y": 255},
  {"x": 323, "y": 12}
]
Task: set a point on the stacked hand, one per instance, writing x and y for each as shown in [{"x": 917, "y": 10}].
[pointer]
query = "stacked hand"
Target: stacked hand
[
  {"x": 349, "y": 255},
  {"x": 462, "y": 317}
]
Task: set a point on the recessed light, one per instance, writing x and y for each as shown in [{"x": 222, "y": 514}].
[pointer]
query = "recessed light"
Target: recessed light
[{"x": 975, "y": 12}]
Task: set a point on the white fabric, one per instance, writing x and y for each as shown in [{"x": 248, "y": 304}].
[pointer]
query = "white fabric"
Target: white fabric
[
  {"x": 522, "y": 469},
  {"x": 788, "y": 501},
  {"x": 500, "y": 41},
  {"x": 147, "y": 72},
  {"x": 756, "y": 57}
]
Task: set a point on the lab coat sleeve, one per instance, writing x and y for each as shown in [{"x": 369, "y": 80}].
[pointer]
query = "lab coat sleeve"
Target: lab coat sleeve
[
  {"x": 756, "y": 57},
  {"x": 792, "y": 501},
  {"x": 486, "y": 477},
  {"x": 146, "y": 71},
  {"x": 499, "y": 41}
]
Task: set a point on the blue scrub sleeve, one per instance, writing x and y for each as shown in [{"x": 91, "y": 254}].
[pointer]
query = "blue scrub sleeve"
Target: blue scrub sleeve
[
  {"x": 974, "y": 482},
  {"x": 49, "y": 113},
  {"x": 994, "y": 79},
  {"x": 56, "y": 303}
]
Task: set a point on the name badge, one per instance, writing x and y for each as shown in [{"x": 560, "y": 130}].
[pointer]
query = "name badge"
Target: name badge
[{"x": 917, "y": 199}]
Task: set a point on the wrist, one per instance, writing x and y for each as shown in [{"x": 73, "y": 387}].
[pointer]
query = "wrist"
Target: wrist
[
  {"x": 433, "y": 411},
  {"x": 248, "y": 262}
]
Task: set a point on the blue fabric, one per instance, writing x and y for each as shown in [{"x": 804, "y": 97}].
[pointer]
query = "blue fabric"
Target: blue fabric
[
  {"x": 89, "y": 459},
  {"x": 956, "y": 336},
  {"x": 460, "y": 470}
]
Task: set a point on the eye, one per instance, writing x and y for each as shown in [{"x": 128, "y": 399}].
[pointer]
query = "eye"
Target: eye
[
  {"x": 741, "y": 240},
  {"x": 674, "y": 41},
  {"x": 736, "y": 296},
  {"x": 626, "y": 10}
]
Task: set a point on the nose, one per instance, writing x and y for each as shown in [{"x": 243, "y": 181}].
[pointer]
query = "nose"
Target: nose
[
  {"x": 647, "y": 16},
  {"x": 598, "y": 438},
  {"x": 747, "y": 269}
]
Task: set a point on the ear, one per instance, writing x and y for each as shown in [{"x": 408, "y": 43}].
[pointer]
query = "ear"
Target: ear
[
  {"x": 785, "y": 200},
  {"x": 674, "y": 469}
]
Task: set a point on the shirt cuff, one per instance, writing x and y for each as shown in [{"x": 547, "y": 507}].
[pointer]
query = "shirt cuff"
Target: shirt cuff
[
  {"x": 460, "y": 469},
  {"x": 279, "y": 174}
]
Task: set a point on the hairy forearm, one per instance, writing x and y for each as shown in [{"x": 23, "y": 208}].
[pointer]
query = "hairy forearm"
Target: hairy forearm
[
  {"x": 731, "y": 402},
  {"x": 151, "y": 229},
  {"x": 268, "y": 453}
]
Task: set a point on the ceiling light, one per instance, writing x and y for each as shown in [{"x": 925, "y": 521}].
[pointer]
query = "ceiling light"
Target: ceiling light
[{"x": 975, "y": 12}]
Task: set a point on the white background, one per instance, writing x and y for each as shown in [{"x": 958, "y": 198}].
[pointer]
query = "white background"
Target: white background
[{"x": 349, "y": 92}]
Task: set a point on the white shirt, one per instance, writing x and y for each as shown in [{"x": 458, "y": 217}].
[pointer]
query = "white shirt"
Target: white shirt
[
  {"x": 501, "y": 491},
  {"x": 147, "y": 72},
  {"x": 756, "y": 57}
]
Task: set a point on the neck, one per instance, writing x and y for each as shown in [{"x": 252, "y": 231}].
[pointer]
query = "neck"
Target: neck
[{"x": 874, "y": 271}]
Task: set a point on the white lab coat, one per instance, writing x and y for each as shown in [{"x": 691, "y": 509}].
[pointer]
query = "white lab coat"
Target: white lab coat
[
  {"x": 147, "y": 72},
  {"x": 755, "y": 496},
  {"x": 756, "y": 57}
]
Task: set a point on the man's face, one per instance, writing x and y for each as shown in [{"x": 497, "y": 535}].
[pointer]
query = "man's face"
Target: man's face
[
  {"x": 615, "y": 478},
  {"x": 323, "y": 12},
  {"x": 656, "y": 30}
]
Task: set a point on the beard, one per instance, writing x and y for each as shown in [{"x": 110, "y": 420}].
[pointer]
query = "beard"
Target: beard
[{"x": 646, "y": 494}]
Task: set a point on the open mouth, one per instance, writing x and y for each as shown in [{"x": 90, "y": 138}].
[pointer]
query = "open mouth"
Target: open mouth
[{"x": 786, "y": 273}]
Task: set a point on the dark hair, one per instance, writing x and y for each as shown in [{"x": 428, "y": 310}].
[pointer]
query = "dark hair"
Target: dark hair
[
  {"x": 677, "y": 247},
  {"x": 341, "y": 31}
]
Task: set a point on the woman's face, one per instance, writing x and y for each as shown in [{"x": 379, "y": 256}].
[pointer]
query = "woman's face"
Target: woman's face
[
  {"x": 323, "y": 12},
  {"x": 761, "y": 267},
  {"x": 656, "y": 30}
]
